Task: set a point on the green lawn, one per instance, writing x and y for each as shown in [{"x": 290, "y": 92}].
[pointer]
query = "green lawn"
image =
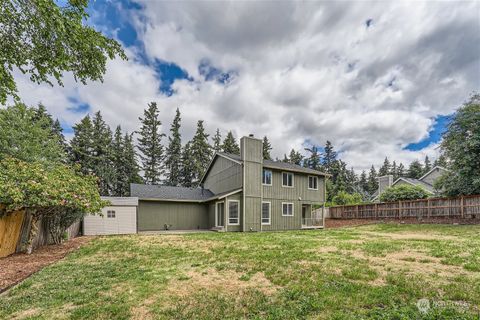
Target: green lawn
[{"x": 376, "y": 271}]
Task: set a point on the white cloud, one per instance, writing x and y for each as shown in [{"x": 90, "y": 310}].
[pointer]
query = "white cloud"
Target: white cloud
[{"x": 305, "y": 71}]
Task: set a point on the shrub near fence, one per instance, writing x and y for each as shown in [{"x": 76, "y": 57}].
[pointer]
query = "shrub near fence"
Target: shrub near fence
[{"x": 467, "y": 207}]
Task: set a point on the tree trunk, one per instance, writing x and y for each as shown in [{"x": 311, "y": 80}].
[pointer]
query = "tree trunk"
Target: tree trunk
[{"x": 33, "y": 232}]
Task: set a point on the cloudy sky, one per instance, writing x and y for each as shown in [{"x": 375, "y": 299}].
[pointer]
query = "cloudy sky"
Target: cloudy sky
[{"x": 377, "y": 79}]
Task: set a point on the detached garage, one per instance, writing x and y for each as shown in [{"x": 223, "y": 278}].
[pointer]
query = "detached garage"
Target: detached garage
[{"x": 118, "y": 218}]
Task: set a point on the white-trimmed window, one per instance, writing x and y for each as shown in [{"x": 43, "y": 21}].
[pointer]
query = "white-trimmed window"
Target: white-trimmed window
[
  {"x": 233, "y": 212},
  {"x": 312, "y": 182},
  {"x": 287, "y": 209},
  {"x": 287, "y": 179},
  {"x": 267, "y": 177},
  {"x": 266, "y": 212},
  {"x": 110, "y": 213}
]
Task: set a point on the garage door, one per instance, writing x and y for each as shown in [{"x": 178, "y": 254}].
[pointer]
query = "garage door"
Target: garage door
[{"x": 115, "y": 220}]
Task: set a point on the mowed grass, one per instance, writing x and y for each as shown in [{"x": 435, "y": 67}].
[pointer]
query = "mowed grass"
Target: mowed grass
[{"x": 376, "y": 271}]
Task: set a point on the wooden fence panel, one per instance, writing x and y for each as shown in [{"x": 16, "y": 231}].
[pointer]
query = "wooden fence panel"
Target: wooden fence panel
[
  {"x": 466, "y": 207},
  {"x": 10, "y": 226}
]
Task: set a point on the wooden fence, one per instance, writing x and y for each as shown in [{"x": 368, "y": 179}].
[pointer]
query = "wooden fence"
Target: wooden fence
[
  {"x": 15, "y": 228},
  {"x": 467, "y": 207},
  {"x": 10, "y": 228}
]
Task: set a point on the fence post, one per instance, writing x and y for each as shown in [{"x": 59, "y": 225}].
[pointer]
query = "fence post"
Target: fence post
[
  {"x": 428, "y": 208},
  {"x": 376, "y": 210},
  {"x": 399, "y": 209},
  {"x": 461, "y": 206},
  {"x": 356, "y": 211}
]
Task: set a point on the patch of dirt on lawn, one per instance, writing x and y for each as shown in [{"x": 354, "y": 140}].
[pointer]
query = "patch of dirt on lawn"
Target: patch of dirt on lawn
[
  {"x": 25, "y": 314},
  {"x": 227, "y": 281},
  {"x": 410, "y": 263},
  {"x": 179, "y": 241},
  {"x": 410, "y": 236},
  {"x": 17, "y": 267}
]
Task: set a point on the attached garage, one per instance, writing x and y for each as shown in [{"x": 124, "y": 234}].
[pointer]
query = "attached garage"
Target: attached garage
[
  {"x": 118, "y": 218},
  {"x": 170, "y": 215}
]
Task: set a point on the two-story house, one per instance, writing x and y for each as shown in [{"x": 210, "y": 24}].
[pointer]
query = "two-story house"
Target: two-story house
[{"x": 237, "y": 193}]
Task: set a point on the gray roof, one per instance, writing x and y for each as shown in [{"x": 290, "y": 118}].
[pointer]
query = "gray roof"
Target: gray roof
[
  {"x": 144, "y": 191},
  {"x": 280, "y": 165},
  {"x": 122, "y": 201},
  {"x": 417, "y": 182}
]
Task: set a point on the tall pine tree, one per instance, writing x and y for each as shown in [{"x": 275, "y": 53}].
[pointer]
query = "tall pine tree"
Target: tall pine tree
[
  {"x": 173, "y": 154},
  {"x": 415, "y": 170},
  {"x": 400, "y": 171},
  {"x": 372, "y": 181},
  {"x": 427, "y": 165},
  {"x": 329, "y": 157},
  {"x": 121, "y": 180},
  {"x": 81, "y": 145},
  {"x": 150, "y": 145},
  {"x": 217, "y": 141},
  {"x": 201, "y": 152},
  {"x": 295, "y": 157},
  {"x": 230, "y": 145},
  {"x": 266, "y": 149},
  {"x": 130, "y": 164},
  {"x": 385, "y": 168},
  {"x": 188, "y": 169},
  {"x": 102, "y": 164},
  {"x": 314, "y": 160}
]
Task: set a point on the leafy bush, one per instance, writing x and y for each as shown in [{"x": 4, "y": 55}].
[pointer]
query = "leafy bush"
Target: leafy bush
[
  {"x": 57, "y": 193},
  {"x": 344, "y": 198},
  {"x": 403, "y": 192}
]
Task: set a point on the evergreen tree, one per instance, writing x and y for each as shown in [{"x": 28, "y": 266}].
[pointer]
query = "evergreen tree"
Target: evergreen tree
[
  {"x": 295, "y": 157},
  {"x": 201, "y": 151},
  {"x": 372, "y": 181},
  {"x": 415, "y": 170},
  {"x": 441, "y": 161},
  {"x": 81, "y": 145},
  {"x": 47, "y": 122},
  {"x": 130, "y": 164},
  {"x": 314, "y": 160},
  {"x": 385, "y": 168},
  {"x": 187, "y": 172},
  {"x": 329, "y": 157},
  {"x": 266, "y": 149},
  {"x": 427, "y": 165},
  {"x": 400, "y": 171},
  {"x": 102, "y": 165},
  {"x": 285, "y": 158},
  {"x": 217, "y": 141},
  {"x": 393, "y": 170},
  {"x": 121, "y": 181},
  {"x": 363, "y": 183},
  {"x": 352, "y": 181},
  {"x": 150, "y": 145},
  {"x": 230, "y": 145},
  {"x": 173, "y": 154}
]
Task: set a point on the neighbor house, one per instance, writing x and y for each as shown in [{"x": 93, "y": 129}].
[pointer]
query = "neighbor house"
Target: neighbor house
[
  {"x": 426, "y": 181},
  {"x": 237, "y": 193}
]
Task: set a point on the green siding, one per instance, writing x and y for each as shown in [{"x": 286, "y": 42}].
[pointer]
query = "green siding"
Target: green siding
[
  {"x": 153, "y": 215},
  {"x": 224, "y": 175},
  {"x": 279, "y": 222},
  {"x": 300, "y": 189},
  {"x": 238, "y": 197}
]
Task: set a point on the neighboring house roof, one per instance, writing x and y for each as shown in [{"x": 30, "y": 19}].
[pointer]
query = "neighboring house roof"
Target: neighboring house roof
[
  {"x": 432, "y": 170},
  {"x": 416, "y": 182},
  {"x": 156, "y": 192}
]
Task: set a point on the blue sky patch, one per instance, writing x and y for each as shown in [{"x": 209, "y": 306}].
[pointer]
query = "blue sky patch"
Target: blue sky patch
[
  {"x": 168, "y": 72},
  {"x": 369, "y": 22},
  {"x": 210, "y": 72},
  {"x": 434, "y": 136}
]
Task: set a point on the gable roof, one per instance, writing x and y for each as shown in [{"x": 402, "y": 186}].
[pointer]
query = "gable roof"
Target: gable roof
[
  {"x": 433, "y": 169},
  {"x": 416, "y": 182},
  {"x": 279, "y": 165},
  {"x": 156, "y": 192}
]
